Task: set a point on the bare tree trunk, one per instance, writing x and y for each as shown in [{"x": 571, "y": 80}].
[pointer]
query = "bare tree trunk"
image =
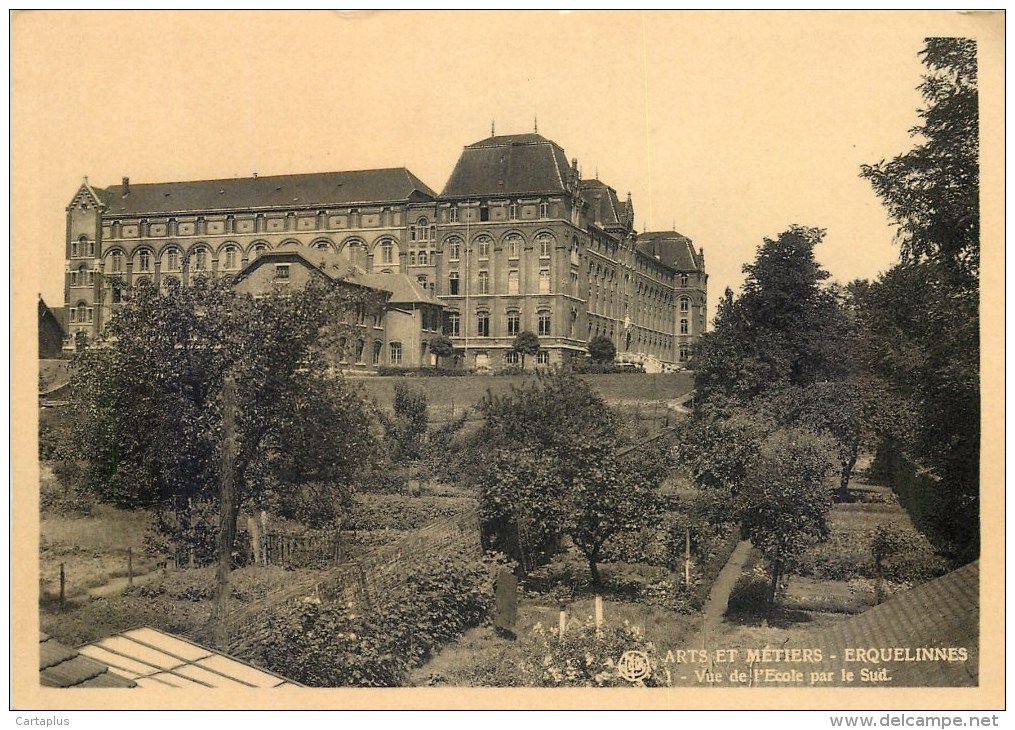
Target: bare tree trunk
[
  {"x": 847, "y": 473},
  {"x": 773, "y": 589},
  {"x": 228, "y": 507}
]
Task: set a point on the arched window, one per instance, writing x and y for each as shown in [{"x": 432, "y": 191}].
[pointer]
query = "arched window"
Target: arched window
[
  {"x": 544, "y": 323},
  {"x": 377, "y": 352},
  {"x": 483, "y": 324},
  {"x": 173, "y": 259},
  {"x": 200, "y": 259},
  {"x": 423, "y": 258},
  {"x": 231, "y": 260},
  {"x": 259, "y": 248},
  {"x": 116, "y": 262},
  {"x": 144, "y": 260},
  {"x": 420, "y": 231},
  {"x": 545, "y": 242},
  {"x": 514, "y": 245},
  {"x": 684, "y": 327},
  {"x": 483, "y": 247},
  {"x": 685, "y": 304},
  {"x": 454, "y": 248},
  {"x": 360, "y": 346},
  {"x": 323, "y": 246},
  {"x": 388, "y": 254}
]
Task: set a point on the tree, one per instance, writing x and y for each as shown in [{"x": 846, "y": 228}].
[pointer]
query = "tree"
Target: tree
[
  {"x": 548, "y": 466},
  {"x": 785, "y": 329},
  {"x": 406, "y": 432},
  {"x": 602, "y": 349},
  {"x": 526, "y": 343},
  {"x": 442, "y": 347},
  {"x": 786, "y": 506},
  {"x": 149, "y": 412},
  {"x": 922, "y": 316}
]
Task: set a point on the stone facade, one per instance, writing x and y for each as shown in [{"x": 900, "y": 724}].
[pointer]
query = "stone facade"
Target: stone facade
[{"x": 516, "y": 241}]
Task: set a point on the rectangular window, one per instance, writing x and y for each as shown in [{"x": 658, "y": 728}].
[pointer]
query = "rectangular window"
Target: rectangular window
[
  {"x": 542, "y": 357},
  {"x": 173, "y": 260},
  {"x": 513, "y": 211},
  {"x": 484, "y": 212},
  {"x": 455, "y": 250},
  {"x": 282, "y": 271},
  {"x": 453, "y": 214},
  {"x": 396, "y": 353},
  {"x": 513, "y": 357},
  {"x": 145, "y": 260},
  {"x": 454, "y": 324},
  {"x": 544, "y": 324},
  {"x": 453, "y": 283},
  {"x": 513, "y": 282},
  {"x": 483, "y": 324},
  {"x": 544, "y": 281},
  {"x": 684, "y": 326},
  {"x": 421, "y": 280},
  {"x": 484, "y": 282},
  {"x": 514, "y": 323},
  {"x": 74, "y": 249},
  {"x": 544, "y": 210}
]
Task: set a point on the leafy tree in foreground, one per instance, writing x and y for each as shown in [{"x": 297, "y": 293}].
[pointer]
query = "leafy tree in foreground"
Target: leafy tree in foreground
[
  {"x": 923, "y": 315},
  {"x": 526, "y": 343},
  {"x": 148, "y": 402},
  {"x": 785, "y": 508},
  {"x": 602, "y": 349},
  {"x": 548, "y": 466}
]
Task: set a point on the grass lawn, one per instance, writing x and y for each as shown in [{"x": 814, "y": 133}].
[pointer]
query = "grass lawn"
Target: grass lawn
[{"x": 93, "y": 549}]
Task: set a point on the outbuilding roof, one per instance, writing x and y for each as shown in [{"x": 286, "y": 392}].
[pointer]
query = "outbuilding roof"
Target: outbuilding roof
[
  {"x": 61, "y": 666},
  {"x": 153, "y": 658}
]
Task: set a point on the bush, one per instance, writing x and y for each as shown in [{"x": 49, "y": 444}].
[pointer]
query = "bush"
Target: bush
[
  {"x": 333, "y": 645},
  {"x": 584, "y": 657},
  {"x": 388, "y": 371},
  {"x": 750, "y": 596}
]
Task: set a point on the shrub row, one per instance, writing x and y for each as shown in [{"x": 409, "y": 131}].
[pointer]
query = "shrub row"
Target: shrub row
[
  {"x": 336, "y": 645},
  {"x": 389, "y": 370}
]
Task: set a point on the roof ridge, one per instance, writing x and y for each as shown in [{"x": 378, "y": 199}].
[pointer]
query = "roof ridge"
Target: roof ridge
[{"x": 265, "y": 177}]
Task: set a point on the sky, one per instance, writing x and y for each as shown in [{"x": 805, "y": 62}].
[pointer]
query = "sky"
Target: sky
[{"x": 727, "y": 126}]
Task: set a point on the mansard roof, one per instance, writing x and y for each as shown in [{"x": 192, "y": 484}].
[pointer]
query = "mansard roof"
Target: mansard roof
[
  {"x": 605, "y": 207},
  {"x": 671, "y": 248},
  {"x": 311, "y": 190},
  {"x": 509, "y": 165}
]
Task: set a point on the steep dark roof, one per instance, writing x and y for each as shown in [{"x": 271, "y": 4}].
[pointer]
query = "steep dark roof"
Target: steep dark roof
[
  {"x": 61, "y": 666},
  {"x": 671, "y": 248},
  {"x": 317, "y": 189},
  {"x": 604, "y": 205},
  {"x": 509, "y": 164}
]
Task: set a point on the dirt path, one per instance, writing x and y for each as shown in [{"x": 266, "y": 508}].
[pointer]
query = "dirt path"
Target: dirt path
[
  {"x": 719, "y": 596},
  {"x": 118, "y": 585}
]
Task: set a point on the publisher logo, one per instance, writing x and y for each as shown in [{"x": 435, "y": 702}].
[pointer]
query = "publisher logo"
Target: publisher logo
[{"x": 634, "y": 666}]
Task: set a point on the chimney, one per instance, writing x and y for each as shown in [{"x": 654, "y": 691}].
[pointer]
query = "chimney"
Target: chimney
[{"x": 126, "y": 186}]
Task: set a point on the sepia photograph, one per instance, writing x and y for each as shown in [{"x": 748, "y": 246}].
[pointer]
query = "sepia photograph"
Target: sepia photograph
[{"x": 507, "y": 359}]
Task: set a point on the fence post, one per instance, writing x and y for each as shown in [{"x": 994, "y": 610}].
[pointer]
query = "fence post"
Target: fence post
[
  {"x": 687, "y": 556},
  {"x": 599, "y": 615},
  {"x": 130, "y": 567},
  {"x": 62, "y": 581}
]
